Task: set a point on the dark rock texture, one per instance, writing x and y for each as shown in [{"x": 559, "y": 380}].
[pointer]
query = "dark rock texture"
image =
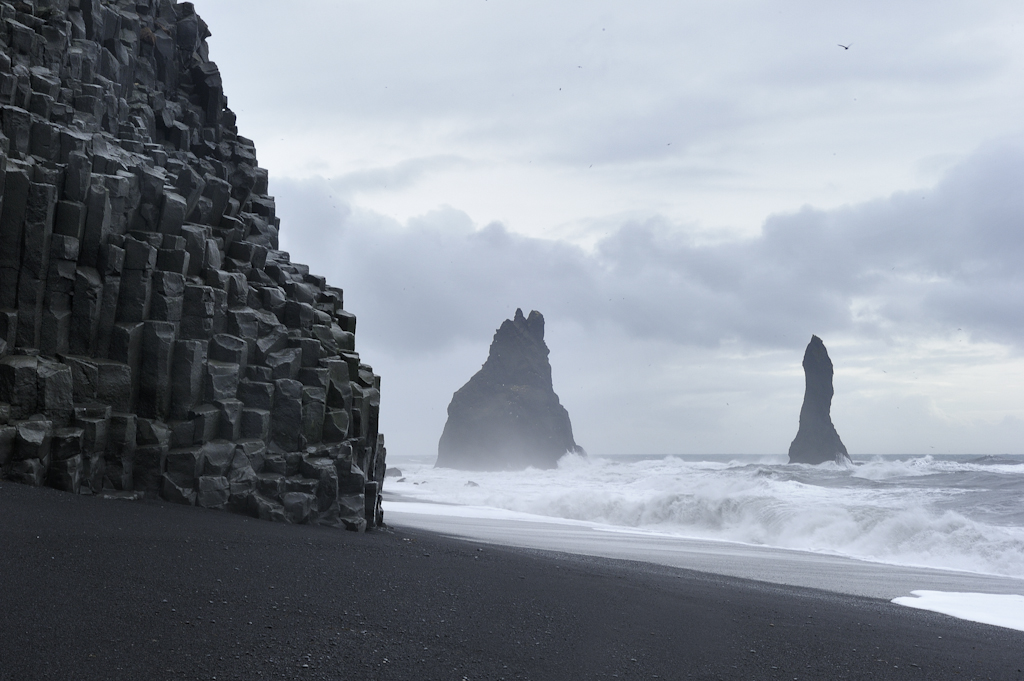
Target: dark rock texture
[
  {"x": 816, "y": 440},
  {"x": 508, "y": 416},
  {"x": 153, "y": 339}
]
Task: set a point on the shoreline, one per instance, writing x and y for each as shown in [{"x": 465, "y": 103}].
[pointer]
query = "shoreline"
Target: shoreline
[
  {"x": 98, "y": 589},
  {"x": 769, "y": 564}
]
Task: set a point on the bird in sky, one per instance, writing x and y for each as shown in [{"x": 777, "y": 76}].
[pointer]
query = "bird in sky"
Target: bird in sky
[{"x": 845, "y": 47}]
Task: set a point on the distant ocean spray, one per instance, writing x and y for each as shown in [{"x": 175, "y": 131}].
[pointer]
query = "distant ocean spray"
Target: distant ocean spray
[{"x": 963, "y": 513}]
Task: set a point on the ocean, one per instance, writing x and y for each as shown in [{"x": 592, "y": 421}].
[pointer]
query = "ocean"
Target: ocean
[{"x": 962, "y": 513}]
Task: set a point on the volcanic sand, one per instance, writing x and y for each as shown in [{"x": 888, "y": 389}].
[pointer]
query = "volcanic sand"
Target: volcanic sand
[{"x": 95, "y": 589}]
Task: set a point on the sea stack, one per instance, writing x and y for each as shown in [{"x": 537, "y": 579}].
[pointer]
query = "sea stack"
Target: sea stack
[
  {"x": 817, "y": 440},
  {"x": 508, "y": 417}
]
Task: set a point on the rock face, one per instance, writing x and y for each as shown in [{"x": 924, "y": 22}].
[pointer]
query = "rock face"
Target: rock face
[
  {"x": 816, "y": 440},
  {"x": 508, "y": 416},
  {"x": 153, "y": 339}
]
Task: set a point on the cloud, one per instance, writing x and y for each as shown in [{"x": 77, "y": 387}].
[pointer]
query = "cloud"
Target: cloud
[
  {"x": 695, "y": 346},
  {"x": 596, "y": 79},
  {"x": 916, "y": 263},
  {"x": 399, "y": 176}
]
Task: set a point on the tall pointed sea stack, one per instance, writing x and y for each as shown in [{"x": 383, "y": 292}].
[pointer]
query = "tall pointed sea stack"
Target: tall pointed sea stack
[
  {"x": 817, "y": 440},
  {"x": 508, "y": 416}
]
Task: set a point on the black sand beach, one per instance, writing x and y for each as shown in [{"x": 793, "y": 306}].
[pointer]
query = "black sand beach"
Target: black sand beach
[{"x": 100, "y": 589}]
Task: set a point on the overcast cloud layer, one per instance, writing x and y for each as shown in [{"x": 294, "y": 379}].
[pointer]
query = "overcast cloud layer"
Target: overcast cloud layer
[
  {"x": 936, "y": 267},
  {"x": 929, "y": 263},
  {"x": 552, "y": 117},
  {"x": 687, "y": 191}
]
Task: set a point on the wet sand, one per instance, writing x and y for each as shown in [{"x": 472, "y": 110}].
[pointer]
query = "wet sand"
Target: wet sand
[{"x": 99, "y": 589}]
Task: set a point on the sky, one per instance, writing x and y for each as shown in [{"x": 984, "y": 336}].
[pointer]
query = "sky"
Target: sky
[{"x": 686, "y": 191}]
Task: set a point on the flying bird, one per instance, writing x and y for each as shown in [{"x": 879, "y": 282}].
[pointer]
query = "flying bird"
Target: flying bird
[{"x": 845, "y": 47}]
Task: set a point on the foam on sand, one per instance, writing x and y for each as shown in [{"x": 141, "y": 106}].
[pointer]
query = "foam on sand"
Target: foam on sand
[{"x": 1001, "y": 610}]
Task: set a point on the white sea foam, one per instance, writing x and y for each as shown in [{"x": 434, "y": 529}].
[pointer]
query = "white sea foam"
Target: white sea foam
[
  {"x": 1001, "y": 610},
  {"x": 878, "y": 468},
  {"x": 925, "y": 512},
  {"x": 478, "y": 512}
]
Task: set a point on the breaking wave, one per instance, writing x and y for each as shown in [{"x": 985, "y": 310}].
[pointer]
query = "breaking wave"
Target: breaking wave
[{"x": 965, "y": 514}]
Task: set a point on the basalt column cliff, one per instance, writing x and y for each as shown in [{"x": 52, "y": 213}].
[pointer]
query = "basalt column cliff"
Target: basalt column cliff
[
  {"x": 816, "y": 440},
  {"x": 508, "y": 416},
  {"x": 153, "y": 339}
]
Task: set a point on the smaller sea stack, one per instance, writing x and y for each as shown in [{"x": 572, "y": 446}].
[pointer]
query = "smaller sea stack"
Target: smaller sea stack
[
  {"x": 508, "y": 417},
  {"x": 817, "y": 440}
]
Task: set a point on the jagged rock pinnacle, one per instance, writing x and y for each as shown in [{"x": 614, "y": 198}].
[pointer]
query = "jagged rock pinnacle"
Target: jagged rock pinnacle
[{"x": 508, "y": 416}]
